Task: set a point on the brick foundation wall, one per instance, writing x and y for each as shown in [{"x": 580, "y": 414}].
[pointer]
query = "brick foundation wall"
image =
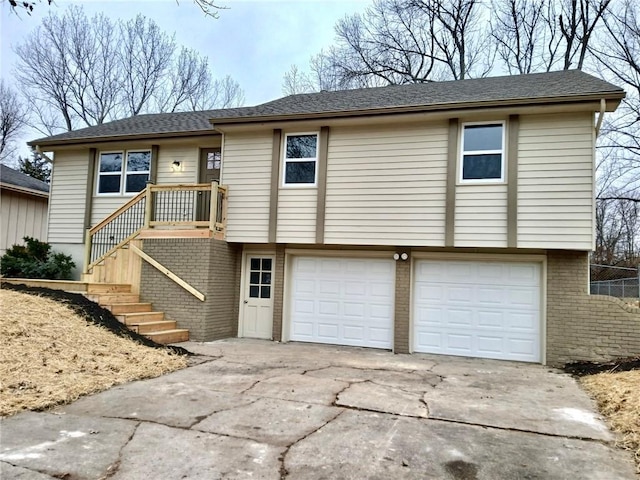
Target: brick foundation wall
[
  {"x": 582, "y": 327},
  {"x": 402, "y": 305},
  {"x": 278, "y": 293},
  {"x": 209, "y": 265}
]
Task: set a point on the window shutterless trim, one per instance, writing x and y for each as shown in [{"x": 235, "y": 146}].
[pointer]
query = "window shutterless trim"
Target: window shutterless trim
[
  {"x": 123, "y": 172},
  {"x": 286, "y": 160},
  {"x": 501, "y": 152},
  {"x": 100, "y": 174},
  {"x": 123, "y": 187}
]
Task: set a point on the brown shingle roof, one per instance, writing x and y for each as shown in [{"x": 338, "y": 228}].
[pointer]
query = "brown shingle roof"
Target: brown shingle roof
[
  {"x": 568, "y": 85},
  {"x": 10, "y": 176}
]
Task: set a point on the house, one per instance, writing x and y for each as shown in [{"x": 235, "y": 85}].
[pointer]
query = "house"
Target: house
[
  {"x": 451, "y": 217},
  {"x": 24, "y": 203}
]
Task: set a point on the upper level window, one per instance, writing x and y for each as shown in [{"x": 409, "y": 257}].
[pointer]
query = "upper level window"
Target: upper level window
[
  {"x": 300, "y": 158},
  {"x": 482, "y": 152},
  {"x": 116, "y": 176}
]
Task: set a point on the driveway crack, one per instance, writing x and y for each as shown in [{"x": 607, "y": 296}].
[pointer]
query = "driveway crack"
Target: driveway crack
[
  {"x": 113, "y": 468},
  {"x": 42, "y": 472},
  {"x": 283, "y": 470},
  {"x": 524, "y": 430}
]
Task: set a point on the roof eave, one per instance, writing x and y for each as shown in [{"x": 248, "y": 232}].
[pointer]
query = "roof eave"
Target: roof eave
[
  {"x": 20, "y": 189},
  {"x": 616, "y": 97},
  {"x": 117, "y": 138}
]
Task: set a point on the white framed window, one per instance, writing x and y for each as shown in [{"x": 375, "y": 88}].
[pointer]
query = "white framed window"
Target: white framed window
[
  {"x": 121, "y": 173},
  {"x": 300, "y": 159},
  {"x": 482, "y": 157}
]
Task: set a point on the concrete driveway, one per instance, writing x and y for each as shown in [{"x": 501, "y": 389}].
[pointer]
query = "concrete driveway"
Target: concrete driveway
[{"x": 254, "y": 409}]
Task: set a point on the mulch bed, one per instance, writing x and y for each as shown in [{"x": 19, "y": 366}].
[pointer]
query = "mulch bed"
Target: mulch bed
[
  {"x": 581, "y": 369},
  {"x": 93, "y": 313}
]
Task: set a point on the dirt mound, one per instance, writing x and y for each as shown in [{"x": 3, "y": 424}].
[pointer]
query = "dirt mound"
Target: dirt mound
[
  {"x": 94, "y": 313},
  {"x": 580, "y": 369}
]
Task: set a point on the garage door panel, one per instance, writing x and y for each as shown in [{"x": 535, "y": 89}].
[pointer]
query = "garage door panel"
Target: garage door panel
[
  {"x": 328, "y": 287},
  {"x": 490, "y": 345},
  {"x": 526, "y": 321},
  {"x": 490, "y": 320},
  {"x": 354, "y": 310},
  {"x": 353, "y": 301},
  {"x": 484, "y": 309}
]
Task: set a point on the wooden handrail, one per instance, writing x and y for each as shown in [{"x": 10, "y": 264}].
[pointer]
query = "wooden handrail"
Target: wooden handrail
[
  {"x": 117, "y": 212},
  {"x": 216, "y": 223},
  {"x": 191, "y": 186},
  {"x": 151, "y": 261}
]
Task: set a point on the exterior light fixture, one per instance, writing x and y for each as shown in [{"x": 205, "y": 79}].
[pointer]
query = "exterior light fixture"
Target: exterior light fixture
[
  {"x": 175, "y": 166},
  {"x": 396, "y": 256},
  {"x": 404, "y": 256}
]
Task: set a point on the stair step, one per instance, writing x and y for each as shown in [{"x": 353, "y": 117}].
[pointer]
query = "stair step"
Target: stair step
[
  {"x": 108, "y": 288},
  {"x": 169, "y": 336},
  {"x": 142, "y": 317},
  {"x": 153, "y": 327},
  {"x": 120, "y": 308},
  {"x": 114, "y": 298}
]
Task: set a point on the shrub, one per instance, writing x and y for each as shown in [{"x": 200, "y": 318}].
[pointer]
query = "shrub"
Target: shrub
[{"x": 36, "y": 260}]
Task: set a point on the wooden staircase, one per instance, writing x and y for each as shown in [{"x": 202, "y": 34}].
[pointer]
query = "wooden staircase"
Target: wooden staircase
[{"x": 137, "y": 316}]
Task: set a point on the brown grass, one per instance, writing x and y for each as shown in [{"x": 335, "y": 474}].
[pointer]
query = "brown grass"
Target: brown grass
[
  {"x": 618, "y": 397},
  {"x": 49, "y": 355}
]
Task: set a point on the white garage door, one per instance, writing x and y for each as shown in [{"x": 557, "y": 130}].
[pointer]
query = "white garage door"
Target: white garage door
[
  {"x": 342, "y": 301},
  {"x": 477, "y": 309}
]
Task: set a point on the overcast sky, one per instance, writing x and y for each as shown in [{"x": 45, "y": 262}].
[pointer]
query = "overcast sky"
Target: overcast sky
[{"x": 254, "y": 41}]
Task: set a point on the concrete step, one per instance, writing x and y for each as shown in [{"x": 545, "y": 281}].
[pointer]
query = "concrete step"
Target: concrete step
[
  {"x": 120, "y": 308},
  {"x": 101, "y": 288},
  {"x": 169, "y": 336},
  {"x": 142, "y": 317},
  {"x": 114, "y": 298},
  {"x": 153, "y": 327}
]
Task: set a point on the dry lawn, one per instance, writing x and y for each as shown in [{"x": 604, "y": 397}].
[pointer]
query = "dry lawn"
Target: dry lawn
[
  {"x": 50, "y": 355},
  {"x": 618, "y": 397}
]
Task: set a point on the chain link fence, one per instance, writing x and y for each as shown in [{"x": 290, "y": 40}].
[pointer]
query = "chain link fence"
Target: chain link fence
[{"x": 621, "y": 282}]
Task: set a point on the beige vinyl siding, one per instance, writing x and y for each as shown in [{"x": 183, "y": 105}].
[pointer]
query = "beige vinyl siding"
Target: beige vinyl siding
[
  {"x": 67, "y": 197},
  {"x": 297, "y": 215},
  {"x": 555, "y": 181},
  {"x": 247, "y": 172},
  {"x": 189, "y": 157},
  {"x": 386, "y": 185},
  {"x": 186, "y": 154},
  {"x": 21, "y": 215},
  {"x": 481, "y": 216}
]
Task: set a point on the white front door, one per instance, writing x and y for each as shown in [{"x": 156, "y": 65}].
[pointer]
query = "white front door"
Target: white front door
[
  {"x": 477, "y": 309},
  {"x": 257, "y": 303},
  {"x": 342, "y": 301}
]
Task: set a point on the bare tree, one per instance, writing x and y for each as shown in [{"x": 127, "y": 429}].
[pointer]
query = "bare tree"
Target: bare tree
[
  {"x": 295, "y": 81},
  {"x": 208, "y": 7},
  {"x": 570, "y": 26},
  {"x": 617, "y": 51},
  {"x": 145, "y": 58},
  {"x": 461, "y": 42},
  {"x": 80, "y": 71},
  {"x": 13, "y": 117},
  {"x": 401, "y": 41},
  {"x": 516, "y": 29},
  {"x": 224, "y": 93}
]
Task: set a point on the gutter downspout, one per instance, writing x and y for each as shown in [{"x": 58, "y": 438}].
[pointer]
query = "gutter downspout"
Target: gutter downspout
[
  {"x": 603, "y": 107},
  {"x": 42, "y": 154}
]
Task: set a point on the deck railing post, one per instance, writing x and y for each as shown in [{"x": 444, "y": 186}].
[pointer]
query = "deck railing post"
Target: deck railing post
[
  {"x": 148, "y": 206},
  {"x": 87, "y": 250},
  {"x": 213, "y": 208}
]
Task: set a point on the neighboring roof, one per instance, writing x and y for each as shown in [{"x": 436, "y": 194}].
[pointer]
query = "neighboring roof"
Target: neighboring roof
[
  {"x": 16, "y": 180},
  {"x": 537, "y": 88}
]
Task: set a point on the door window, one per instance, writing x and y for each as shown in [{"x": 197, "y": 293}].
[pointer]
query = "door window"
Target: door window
[{"x": 260, "y": 277}]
